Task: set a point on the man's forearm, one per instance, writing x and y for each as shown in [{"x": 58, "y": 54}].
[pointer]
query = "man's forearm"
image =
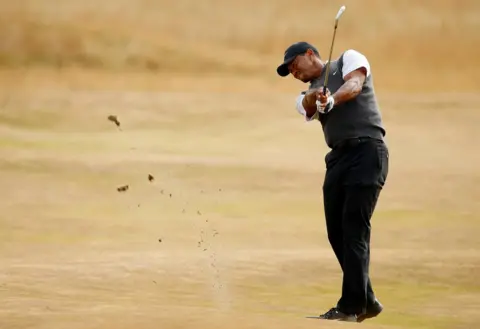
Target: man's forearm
[
  {"x": 309, "y": 108},
  {"x": 349, "y": 90}
]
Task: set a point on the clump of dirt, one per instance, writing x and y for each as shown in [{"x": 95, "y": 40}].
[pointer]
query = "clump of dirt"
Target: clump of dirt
[
  {"x": 114, "y": 119},
  {"x": 123, "y": 188}
]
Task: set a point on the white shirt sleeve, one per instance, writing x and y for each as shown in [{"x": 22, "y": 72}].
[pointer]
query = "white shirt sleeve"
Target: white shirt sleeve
[
  {"x": 353, "y": 60},
  {"x": 301, "y": 109}
]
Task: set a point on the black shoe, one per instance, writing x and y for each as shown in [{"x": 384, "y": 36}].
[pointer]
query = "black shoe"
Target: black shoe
[
  {"x": 372, "y": 311},
  {"x": 335, "y": 314}
]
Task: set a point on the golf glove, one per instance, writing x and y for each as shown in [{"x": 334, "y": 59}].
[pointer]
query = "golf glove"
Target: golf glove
[{"x": 327, "y": 107}]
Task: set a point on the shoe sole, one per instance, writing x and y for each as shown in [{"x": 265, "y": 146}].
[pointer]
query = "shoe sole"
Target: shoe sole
[{"x": 320, "y": 318}]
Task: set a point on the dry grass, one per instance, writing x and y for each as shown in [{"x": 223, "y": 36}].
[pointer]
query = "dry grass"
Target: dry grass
[
  {"x": 413, "y": 45},
  {"x": 243, "y": 243},
  {"x": 236, "y": 200}
]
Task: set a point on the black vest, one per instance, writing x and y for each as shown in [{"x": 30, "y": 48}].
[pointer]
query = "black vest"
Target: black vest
[{"x": 359, "y": 117}]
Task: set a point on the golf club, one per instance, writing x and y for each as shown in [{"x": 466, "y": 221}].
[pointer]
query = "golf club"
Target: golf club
[{"x": 340, "y": 12}]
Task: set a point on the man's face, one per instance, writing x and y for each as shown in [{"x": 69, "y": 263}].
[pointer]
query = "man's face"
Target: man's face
[{"x": 303, "y": 66}]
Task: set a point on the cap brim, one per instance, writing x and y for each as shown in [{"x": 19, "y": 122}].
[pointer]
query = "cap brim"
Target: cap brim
[{"x": 282, "y": 69}]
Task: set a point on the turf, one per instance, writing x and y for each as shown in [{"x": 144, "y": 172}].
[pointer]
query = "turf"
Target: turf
[{"x": 230, "y": 233}]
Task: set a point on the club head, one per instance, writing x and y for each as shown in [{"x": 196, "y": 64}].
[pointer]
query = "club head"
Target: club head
[{"x": 340, "y": 12}]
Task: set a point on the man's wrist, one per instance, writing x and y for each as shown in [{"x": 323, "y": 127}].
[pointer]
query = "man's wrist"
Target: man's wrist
[
  {"x": 332, "y": 99},
  {"x": 330, "y": 104},
  {"x": 305, "y": 102}
]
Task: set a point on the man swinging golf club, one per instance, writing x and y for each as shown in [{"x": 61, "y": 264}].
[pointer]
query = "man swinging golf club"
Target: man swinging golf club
[{"x": 341, "y": 97}]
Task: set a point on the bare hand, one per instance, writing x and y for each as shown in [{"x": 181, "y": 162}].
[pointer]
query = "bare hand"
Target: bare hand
[{"x": 311, "y": 97}]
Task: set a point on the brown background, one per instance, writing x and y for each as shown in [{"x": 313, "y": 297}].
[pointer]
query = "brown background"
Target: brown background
[{"x": 236, "y": 200}]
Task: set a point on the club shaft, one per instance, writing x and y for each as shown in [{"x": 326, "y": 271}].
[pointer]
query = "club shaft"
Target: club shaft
[{"x": 327, "y": 70}]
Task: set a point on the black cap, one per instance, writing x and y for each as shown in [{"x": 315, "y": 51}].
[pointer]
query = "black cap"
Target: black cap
[{"x": 298, "y": 48}]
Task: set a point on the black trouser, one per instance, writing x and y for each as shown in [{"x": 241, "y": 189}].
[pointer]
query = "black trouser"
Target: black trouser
[{"x": 356, "y": 173}]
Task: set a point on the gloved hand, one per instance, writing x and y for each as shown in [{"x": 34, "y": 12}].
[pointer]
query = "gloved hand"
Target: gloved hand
[{"x": 325, "y": 102}]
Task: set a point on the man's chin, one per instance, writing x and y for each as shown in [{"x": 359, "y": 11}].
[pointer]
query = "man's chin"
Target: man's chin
[{"x": 304, "y": 79}]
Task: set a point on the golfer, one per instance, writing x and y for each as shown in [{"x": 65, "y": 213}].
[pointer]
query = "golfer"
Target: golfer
[{"x": 356, "y": 165}]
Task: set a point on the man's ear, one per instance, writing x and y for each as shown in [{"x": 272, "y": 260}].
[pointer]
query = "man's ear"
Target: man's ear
[{"x": 310, "y": 54}]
